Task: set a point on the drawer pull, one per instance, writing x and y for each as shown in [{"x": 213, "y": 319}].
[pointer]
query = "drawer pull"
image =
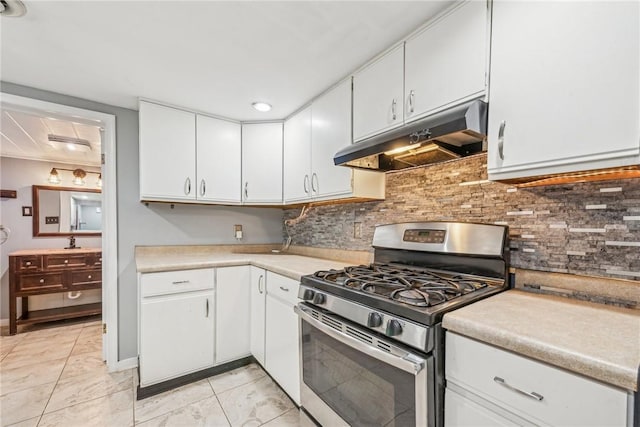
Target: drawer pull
[
  {"x": 89, "y": 277},
  {"x": 66, "y": 261},
  {"x": 180, "y": 282},
  {"x": 284, "y": 289},
  {"x": 41, "y": 280},
  {"x": 27, "y": 263},
  {"x": 532, "y": 394}
]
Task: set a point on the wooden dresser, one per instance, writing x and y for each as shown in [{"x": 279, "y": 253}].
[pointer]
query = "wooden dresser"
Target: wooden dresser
[{"x": 48, "y": 271}]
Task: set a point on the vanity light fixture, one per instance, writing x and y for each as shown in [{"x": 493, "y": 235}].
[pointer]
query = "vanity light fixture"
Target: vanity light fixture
[
  {"x": 78, "y": 176},
  {"x": 261, "y": 106}
]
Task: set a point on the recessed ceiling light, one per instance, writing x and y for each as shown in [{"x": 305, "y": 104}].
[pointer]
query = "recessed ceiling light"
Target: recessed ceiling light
[{"x": 261, "y": 106}]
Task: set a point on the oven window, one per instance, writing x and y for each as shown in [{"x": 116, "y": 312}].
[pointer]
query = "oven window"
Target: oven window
[{"x": 362, "y": 390}]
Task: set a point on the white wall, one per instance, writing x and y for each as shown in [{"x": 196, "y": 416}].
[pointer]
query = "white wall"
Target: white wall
[{"x": 20, "y": 175}]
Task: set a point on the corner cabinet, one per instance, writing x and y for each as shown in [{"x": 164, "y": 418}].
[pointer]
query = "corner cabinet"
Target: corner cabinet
[
  {"x": 262, "y": 163},
  {"x": 258, "y": 292},
  {"x": 180, "y": 156},
  {"x": 489, "y": 386},
  {"x": 564, "y": 92},
  {"x": 311, "y": 139},
  {"x": 233, "y": 318},
  {"x": 442, "y": 65}
]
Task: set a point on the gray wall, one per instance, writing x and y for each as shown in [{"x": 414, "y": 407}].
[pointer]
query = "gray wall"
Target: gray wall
[
  {"x": 20, "y": 175},
  {"x": 157, "y": 224}
]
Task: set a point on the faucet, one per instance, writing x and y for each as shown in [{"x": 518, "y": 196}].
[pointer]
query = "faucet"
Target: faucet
[{"x": 72, "y": 242}]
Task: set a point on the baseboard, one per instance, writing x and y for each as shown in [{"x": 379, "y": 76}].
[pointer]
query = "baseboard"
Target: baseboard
[
  {"x": 4, "y": 322},
  {"x": 122, "y": 365}
]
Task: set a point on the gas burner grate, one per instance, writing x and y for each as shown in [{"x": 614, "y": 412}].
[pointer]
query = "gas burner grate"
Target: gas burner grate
[{"x": 416, "y": 287}]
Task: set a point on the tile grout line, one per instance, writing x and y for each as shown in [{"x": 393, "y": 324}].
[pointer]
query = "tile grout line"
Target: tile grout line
[{"x": 219, "y": 403}]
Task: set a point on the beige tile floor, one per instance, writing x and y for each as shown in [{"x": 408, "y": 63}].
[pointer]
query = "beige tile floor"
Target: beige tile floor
[{"x": 54, "y": 376}]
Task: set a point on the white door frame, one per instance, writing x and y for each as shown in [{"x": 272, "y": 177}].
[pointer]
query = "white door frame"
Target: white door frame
[{"x": 109, "y": 203}]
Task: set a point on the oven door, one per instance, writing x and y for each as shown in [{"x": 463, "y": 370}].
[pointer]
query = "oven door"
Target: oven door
[{"x": 352, "y": 377}]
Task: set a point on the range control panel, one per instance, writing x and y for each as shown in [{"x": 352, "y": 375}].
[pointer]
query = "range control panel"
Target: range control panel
[{"x": 424, "y": 236}]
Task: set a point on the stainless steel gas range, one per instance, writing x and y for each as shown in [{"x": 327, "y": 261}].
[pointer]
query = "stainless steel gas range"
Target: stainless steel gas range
[{"x": 372, "y": 345}]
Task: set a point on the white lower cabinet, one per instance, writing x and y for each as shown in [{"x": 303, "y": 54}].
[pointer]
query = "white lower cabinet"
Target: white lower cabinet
[
  {"x": 282, "y": 352},
  {"x": 176, "y": 324},
  {"x": 233, "y": 322},
  {"x": 533, "y": 391},
  {"x": 257, "y": 296}
]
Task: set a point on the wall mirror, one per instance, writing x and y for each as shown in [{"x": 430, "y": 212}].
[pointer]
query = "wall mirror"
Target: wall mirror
[{"x": 63, "y": 211}]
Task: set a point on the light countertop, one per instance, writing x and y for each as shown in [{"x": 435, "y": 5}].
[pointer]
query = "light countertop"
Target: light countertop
[
  {"x": 293, "y": 266},
  {"x": 594, "y": 340},
  {"x": 27, "y": 252}
]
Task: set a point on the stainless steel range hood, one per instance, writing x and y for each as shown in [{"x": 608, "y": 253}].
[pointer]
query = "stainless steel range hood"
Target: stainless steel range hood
[{"x": 449, "y": 134}]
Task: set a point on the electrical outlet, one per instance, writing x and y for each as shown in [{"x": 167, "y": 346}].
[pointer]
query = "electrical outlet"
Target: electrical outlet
[
  {"x": 237, "y": 230},
  {"x": 357, "y": 230}
]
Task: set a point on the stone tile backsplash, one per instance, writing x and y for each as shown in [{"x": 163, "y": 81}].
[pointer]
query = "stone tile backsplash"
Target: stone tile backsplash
[{"x": 583, "y": 228}]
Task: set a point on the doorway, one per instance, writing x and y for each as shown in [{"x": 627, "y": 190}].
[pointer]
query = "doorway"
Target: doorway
[{"x": 106, "y": 173}]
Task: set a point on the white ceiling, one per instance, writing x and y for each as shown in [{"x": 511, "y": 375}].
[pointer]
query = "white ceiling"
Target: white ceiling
[
  {"x": 24, "y": 135},
  {"x": 213, "y": 56}
]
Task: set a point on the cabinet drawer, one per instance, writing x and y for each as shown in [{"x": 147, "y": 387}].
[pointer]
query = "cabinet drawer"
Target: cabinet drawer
[
  {"x": 26, "y": 263},
  {"x": 40, "y": 282},
  {"x": 64, "y": 261},
  {"x": 553, "y": 396},
  {"x": 283, "y": 288},
  {"x": 169, "y": 282},
  {"x": 86, "y": 278},
  {"x": 94, "y": 259}
]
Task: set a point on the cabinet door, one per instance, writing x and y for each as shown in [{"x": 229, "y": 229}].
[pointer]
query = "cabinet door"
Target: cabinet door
[
  {"x": 176, "y": 335},
  {"x": 446, "y": 63},
  {"x": 297, "y": 157},
  {"x": 232, "y": 313},
  {"x": 462, "y": 412},
  {"x": 219, "y": 157},
  {"x": 378, "y": 95},
  {"x": 330, "y": 132},
  {"x": 564, "y": 90},
  {"x": 262, "y": 163},
  {"x": 167, "y": 153},
  {"x": 257, "y": 291},
  {"x": 282, "y": 351}
]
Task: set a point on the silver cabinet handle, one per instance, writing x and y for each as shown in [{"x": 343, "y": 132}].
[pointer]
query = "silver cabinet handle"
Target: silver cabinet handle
[
  {"x": 260, "y": 283},
  {"x": 314, "y": 182},
  {"x": 393, "y": 110},
  {"x": 306, "y": 184},
  {"x": 246, "y": 189},
  {"x": 411, "y": 105},
  {"x": 203, "y": 187},
  {"x": 532, "y": 394},
  {"x": 207, "y": 308},
  {"x": 187, "y": 186},
  {"x": 503, "y": 124},
  {"x": 284, "y": 289},
  {"x": 180, "y": 282}
]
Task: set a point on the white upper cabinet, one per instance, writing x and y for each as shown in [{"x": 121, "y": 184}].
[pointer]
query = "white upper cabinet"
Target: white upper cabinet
[
  {"x": 446, "y": 63},
  {"x": 218, "y": 160},
  {"x": 378, "y": 95},
  {"x": 330, "y": 132},
  {"x": 564, "y": 90},
  {"x": 262, "y": 163},
  {"x": 167, "y": 153},
  {"x": 297, "y": 157}
]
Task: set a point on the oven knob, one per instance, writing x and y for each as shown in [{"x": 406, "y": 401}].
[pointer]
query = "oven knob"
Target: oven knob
[
  {"x": 319, "y": 299},
  {"x": 393, "y": 328},
  {"x": 374, "y": 320},
  {"x": 308, "y": 295}
]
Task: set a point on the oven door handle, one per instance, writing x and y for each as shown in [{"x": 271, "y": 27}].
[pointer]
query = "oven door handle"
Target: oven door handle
[{"x": 409, "y": 362}]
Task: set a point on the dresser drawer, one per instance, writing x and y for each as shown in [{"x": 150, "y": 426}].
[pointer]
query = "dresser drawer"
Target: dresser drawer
[
  {"x": 29, "y": 263},
  {"x": 170, "y": 282},
  {"x": 283, "y": 288},
  {"x": 86, "y": 278},
  {"x": 64, "y": 261},
  {"x": 40, "y": 282},
  {"x": 530, "y": 388}
]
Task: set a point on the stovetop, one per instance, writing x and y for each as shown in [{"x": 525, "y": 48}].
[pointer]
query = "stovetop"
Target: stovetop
[{"x": 418, "y": 294}]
